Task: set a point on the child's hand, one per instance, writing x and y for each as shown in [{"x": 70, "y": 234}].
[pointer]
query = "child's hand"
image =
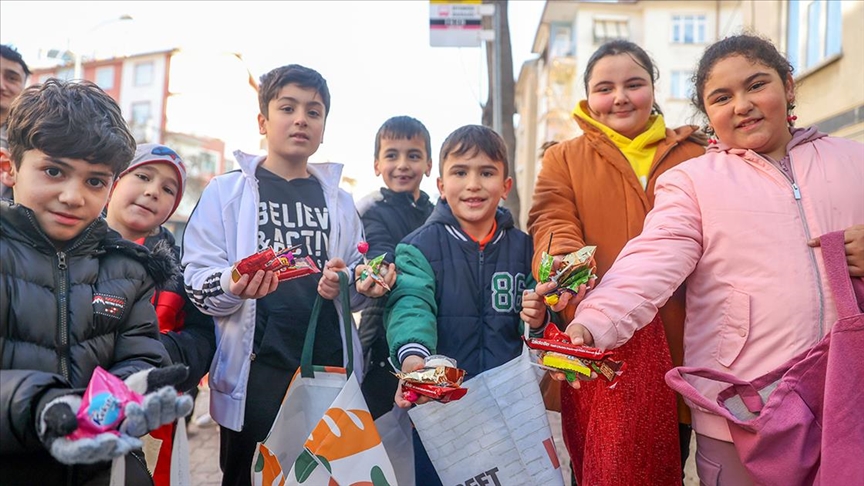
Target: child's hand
[
  {"x": 255, "y": 286},
  {"x": 328, "y": 286},
  {"x": 367, "y": 286},
  {"x": 853, "y": 239},
  {"x": 534, "y": 308},
  {"x": 411, "y": 363}
]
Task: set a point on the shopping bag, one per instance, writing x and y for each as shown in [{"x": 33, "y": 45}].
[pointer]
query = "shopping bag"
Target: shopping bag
[
  {"x": 323, "y": 433},
  {"x": 800, "y": 424},
  {"x": 498, "y": 433},
  {"x": 395, "y": 427}
]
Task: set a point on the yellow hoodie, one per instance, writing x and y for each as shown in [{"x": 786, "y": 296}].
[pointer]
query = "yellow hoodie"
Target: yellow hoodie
[{"x": 641, "y": 150}]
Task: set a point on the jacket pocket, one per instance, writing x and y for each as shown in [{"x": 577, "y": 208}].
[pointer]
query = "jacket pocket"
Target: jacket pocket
[{"x": 734, "y": 327}]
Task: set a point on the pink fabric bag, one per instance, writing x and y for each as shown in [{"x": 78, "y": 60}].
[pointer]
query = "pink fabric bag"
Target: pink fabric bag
[{"x": 803, "y": 423}]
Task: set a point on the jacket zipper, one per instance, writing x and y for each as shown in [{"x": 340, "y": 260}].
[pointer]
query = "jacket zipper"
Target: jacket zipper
[
  {"x": 63, "y": 309},
  {"x": 796, "y": 193},
  {"x": 482, "y": 313},
  {"x": 63, "y": 294}
]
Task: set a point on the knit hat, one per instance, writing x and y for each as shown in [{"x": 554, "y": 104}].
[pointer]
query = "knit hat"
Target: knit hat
[{"x": 151, "y": 153}]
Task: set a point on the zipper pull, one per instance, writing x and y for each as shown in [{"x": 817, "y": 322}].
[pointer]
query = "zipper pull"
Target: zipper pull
[
  {"x": 796, "y": 191},
  {"x": 61, "y": 260}
]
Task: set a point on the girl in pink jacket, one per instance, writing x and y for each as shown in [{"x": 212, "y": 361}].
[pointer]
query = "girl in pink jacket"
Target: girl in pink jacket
[{"x": 735, "y": 225}]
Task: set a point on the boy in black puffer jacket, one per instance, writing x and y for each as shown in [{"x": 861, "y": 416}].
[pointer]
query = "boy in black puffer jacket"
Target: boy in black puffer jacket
[
  {"x": 74, "y": 294},
  {"x": 403, "y": 155}
]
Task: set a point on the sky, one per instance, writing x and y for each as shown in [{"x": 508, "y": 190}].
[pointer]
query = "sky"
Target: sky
[{"x": 375, "y": 56}]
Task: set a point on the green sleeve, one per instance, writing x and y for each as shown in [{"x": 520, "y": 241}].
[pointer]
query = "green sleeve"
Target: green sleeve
[{"x": 411, "y": 313}]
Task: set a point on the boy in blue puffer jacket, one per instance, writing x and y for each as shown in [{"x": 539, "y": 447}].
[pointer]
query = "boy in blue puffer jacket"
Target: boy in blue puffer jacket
[{"x": 461, "y": 290}]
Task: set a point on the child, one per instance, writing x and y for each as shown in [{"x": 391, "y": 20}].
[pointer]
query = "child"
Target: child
[
  {"x": 73, "y": 294},
  {"x": 145, "y": 195},
  {"x": 14, "y": 73},
  {"x": 463, "y": 273},
  {"x": 403, "y": 155},
  {"x": 596, "y": 190},
  {"x": 278, "y": 200},
  {"x": 735, "y": 223}
]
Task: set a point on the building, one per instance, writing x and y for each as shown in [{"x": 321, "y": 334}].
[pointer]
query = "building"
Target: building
[
  {"x": 824, "y": 41},
  {"x": 200, "y": 103},
  {"x": 674, "y": 33}
]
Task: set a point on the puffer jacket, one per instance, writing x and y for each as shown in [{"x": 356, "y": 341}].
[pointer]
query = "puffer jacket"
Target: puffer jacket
[
  {"x": 62, "y": 314},
  {"x": 455, "y": 299}
]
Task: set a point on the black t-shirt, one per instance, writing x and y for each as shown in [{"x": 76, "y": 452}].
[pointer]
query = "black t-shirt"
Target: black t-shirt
[{"x": 294, "y": 213}]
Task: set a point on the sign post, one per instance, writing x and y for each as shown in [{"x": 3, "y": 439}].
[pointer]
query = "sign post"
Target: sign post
[{"x": 455, "y": 23}]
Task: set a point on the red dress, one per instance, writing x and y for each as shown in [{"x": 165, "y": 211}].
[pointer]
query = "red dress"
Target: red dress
[{"x": 626, "y": 435}]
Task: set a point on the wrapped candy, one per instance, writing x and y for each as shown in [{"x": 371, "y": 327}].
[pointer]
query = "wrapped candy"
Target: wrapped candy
[
  {"x": 575, "y": 270},
  {"x": 375, "y": 271},
  {"x": 284, "y": 263},
  {"x": 439, "y": 380},
  {"x": 557, "y": 353},
  {"x": 103, "y": 406}
]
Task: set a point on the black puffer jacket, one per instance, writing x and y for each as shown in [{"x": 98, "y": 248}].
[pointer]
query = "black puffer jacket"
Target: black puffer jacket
[{"x": 62, "y": 313}]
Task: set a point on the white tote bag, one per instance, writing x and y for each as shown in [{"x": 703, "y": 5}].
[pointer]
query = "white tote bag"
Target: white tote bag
[
  {"x": 323, "y": 433},
  {"x": 498, "y": 432}
]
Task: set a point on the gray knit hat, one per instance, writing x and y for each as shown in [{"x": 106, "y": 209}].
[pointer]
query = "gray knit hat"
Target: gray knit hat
[{"x": 151, "y": 153}]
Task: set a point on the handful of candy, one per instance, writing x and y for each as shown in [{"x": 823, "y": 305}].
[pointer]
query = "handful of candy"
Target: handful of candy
[
  {"x": 575, "y": 270},
  {"x": 284, "y": 263},
  {"x": 557, "y": 353},
  {"x": 103, "y": 406},
  {"x": 374, "y": 271},
  {"x": 439, "y": 380}
]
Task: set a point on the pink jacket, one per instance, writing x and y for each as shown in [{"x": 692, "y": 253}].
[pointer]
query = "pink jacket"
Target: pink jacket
[{"x": 736, "y": 228}]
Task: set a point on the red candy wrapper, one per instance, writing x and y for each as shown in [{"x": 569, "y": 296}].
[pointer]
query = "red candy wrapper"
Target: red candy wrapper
[
  {"x": 443, "y": 394},
  {"x": 284, "y": 263},
  {"x": 598, "y": 360},
  {"x": 438, "y": 382},
  {"x": 103, "y": 407}
]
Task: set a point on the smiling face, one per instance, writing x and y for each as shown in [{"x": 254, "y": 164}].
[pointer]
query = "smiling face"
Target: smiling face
[
  {"x": 402, "y": 163},
  {"x": 143, "y": 199},
  {"x": 294, "y": 126},
  {"x": 473, "y": 185},
  {"x": 620, "y": 94},
  {"x": 65, "y": 195},
  {"x": 12, "y": 78},
  {"x": 746, "y": 103}
]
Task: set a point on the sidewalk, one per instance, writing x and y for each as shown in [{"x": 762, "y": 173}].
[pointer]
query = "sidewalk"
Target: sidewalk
[{"x": 204, "y": 445}]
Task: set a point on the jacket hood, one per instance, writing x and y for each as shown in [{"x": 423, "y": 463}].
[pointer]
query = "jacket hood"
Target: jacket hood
[
  {"x": 19, "y": 223},
  {"x": 800, "y": 136},
  {"x": 443, "y": 214},
  {"x": 159, "y": 262},
  {"x": 329, "y": 174}
]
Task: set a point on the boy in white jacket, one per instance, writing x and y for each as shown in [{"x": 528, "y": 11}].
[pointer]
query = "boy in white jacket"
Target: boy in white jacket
[{"x": 278, "y": 200}]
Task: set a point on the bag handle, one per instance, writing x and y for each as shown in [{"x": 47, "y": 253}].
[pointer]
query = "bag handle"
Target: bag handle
[
  {"x": 837, "y": 273},
  {"x": 306, "y": 368},
  {"x": 748, "y": 393}
]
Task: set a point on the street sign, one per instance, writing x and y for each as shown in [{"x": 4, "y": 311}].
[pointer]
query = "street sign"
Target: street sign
[{"x": 455, "y": 23}]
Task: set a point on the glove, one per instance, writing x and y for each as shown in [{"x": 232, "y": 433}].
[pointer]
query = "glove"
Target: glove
[
  {"x": 161, "y": 404},
  {"x": 58, "y": 420}
]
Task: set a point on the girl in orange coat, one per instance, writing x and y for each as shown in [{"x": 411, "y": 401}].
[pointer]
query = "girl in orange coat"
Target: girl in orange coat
[{"x": 596, "y": 190}]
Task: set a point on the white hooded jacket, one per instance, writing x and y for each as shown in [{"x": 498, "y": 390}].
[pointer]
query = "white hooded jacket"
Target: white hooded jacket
[{"x": 222, "y": 230}]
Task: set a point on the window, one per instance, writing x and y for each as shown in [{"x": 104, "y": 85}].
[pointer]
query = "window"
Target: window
[
  {"x": 610, "y": 28},
  {"x": 144, "y": 74},
  {"x": 681, "y": 85},
  {"x": 140, "y": 113},
  {"x": 688, "y": 29},
  {"x": 562, "y": 40},
  {"x": 814, "y": 33},
  {"x": 65, "y": 74},
  {"x": 105, "y": 77}
]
